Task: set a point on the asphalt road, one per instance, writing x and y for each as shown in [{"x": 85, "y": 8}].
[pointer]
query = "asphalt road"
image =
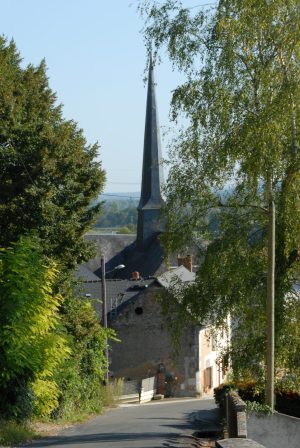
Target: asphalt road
[{"x": 151, "y": 425}]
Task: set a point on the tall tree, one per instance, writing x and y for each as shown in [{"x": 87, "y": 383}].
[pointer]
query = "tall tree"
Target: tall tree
[
  {"x": 242, "y": 102},
  {"x": 48, "y": 174}
]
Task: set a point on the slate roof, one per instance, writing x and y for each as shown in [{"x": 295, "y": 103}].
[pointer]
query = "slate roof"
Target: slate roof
[
  {"x": 122, "y": 249},
  {"x": 152, "y": 173},
  {"x": 148, "y": 262},
  {"x": 113, "y": 247},
  {"x": 181, "y": 273},
  {"x": 118, "y": 292},
  {"x": 121, "y": 292},
  {"x": 83, "y": 273}
]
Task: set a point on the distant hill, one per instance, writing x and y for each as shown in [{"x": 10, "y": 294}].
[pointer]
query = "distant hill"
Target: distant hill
[{"x": 108, "y": 197}]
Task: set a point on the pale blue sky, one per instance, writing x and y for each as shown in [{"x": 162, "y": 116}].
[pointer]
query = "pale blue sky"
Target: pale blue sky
[{"x": 95, "y": 57}]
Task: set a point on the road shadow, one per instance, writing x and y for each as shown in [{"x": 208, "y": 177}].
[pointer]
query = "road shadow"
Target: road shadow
[{"x": 100, "y": 438}]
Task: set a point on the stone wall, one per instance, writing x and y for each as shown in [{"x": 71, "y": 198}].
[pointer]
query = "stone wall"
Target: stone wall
[
  {"x": 146, "y": 345},
  {"x": 236, "y": 416},
  {"x": 256, "y": 430}
]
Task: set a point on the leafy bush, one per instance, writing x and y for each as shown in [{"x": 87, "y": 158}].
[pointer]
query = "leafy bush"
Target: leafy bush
[
  {"x": 45, "y": 397},
  {"x": 31, "y": 345},
  {"x": 250, "y": 391},
  {"x": 287, "y": 400},
  {"x": 221, "y": 391},
  {"x": 80, "y": 378},
  {"x": 259, "y": 408}
]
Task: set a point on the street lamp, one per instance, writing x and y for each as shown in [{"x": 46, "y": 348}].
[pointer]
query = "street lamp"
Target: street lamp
[{"x": 104, "y": 306}]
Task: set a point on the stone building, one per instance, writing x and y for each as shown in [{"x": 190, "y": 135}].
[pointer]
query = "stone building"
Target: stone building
[{"x": 146, "y": 348}]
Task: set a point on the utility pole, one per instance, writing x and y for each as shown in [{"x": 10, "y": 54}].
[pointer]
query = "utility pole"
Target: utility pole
[
  {"x": 104, "y": 311},
  {"x": 270, "y": 306}
]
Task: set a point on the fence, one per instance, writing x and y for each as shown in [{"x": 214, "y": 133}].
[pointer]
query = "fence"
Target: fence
[
  {"x": 130, "y": 392},
  {"x": 148, "y": 389},
  {"x": 136, "y": 391}
]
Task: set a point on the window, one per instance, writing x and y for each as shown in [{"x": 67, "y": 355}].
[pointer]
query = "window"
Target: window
[{"x": 208, "y": 378}]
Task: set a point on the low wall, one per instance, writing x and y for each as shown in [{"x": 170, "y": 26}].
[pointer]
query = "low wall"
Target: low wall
[
  {"x": 236, "y": 419},
  {"x": 235, "y": 410},
  {"x": 271, "y": 431},
  {"x": 238, "y": 443},
  {"x": 274, "y": 431}
]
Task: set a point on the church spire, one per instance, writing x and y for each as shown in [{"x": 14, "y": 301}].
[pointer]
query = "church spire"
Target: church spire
[{"x": 151, "y": 200}]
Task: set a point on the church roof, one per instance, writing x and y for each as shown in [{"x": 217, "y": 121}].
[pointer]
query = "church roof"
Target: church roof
[{"x": 152, "y": 173}]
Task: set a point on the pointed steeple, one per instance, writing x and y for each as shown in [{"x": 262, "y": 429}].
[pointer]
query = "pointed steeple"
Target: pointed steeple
[{"x": 151, "y": 200}]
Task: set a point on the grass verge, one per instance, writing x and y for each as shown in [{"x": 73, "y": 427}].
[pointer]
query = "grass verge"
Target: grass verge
[{"x": 13, "y": 433}]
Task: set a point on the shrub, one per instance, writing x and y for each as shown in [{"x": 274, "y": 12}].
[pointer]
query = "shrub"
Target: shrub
[
  {"x": 221, "y": 391},
  {"x": 259, "y": 408},
  {"x": 250, "y": 391},
  {"x": 287, "y": 401},
  {"x": 80, "y": 378},
  {"x": 31, "y": 345}
]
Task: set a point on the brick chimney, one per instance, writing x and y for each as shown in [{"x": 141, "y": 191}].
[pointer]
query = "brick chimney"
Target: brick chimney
[
  {"x": 135, "y": 275},
  {"x": 186, "y": 261}
]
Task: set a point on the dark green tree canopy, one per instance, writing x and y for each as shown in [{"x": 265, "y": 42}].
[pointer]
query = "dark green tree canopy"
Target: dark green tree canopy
[{"x": 49, "y": 175}]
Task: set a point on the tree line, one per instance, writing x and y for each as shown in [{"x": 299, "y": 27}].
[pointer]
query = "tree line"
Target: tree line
[{"x": 118, "y": 213}]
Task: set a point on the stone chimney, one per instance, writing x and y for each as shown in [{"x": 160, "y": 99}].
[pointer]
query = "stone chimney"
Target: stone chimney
[{"x": 186, "y": 261}]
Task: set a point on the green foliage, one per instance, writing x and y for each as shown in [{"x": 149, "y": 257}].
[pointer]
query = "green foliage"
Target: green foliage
[
  {"x": 252, "y": 393},
  {"x": 118, "y": 213},
  {"x": 49, "y": 175},
  {"x": 13, "y": 433},
  {"x": 258, "y": 408},
  {"x": 31, "y": 344},
  {"x": 80, "y": 378},
  {"x": 241, "y": 103},
  {"x": 125, "y": 230},
  {"x": 46, "y": 395},
  {"x": 221, "y": 391}
]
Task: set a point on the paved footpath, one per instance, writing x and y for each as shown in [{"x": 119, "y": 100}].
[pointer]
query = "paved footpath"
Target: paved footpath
[{"x": 150, "y": 425}]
